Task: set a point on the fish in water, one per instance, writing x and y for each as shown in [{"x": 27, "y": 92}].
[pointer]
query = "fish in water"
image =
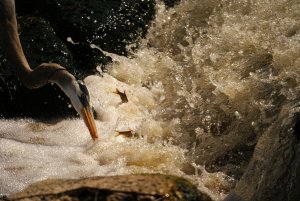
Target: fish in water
[
  {"x": 122, "y": 95},
  {"x": 128, "y": 133}
]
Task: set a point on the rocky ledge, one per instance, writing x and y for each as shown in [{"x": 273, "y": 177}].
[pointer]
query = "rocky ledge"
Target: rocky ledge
[{"x": 114, "y": 188}]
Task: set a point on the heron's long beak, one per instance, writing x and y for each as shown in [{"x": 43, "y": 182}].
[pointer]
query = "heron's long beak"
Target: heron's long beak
[{"x": 89, "y": 121}]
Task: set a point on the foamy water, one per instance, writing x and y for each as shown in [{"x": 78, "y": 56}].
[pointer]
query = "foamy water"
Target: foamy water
[{"x": 207, "y": 81}]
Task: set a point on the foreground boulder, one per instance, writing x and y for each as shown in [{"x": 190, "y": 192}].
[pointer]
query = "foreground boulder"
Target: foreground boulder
[{"x": 117, "y": 188}]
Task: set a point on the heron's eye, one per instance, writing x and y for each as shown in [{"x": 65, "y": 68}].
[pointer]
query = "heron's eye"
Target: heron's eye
[
  {"x": 85, "y": 96},
  {"x": 84, "y": 100}
]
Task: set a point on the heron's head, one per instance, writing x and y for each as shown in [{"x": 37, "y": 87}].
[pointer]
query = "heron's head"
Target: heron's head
[{"x": 80, "y": 99}]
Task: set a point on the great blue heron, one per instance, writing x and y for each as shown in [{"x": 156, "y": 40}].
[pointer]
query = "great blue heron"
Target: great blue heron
[{"x": 44, "y": 73}]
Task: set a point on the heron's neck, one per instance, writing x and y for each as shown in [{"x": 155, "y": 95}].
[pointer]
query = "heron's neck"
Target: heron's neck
[
  {"x": 9, "y": 39},
  {"x": 65, "y": 80},
  {"x": 68, "y": 84}
]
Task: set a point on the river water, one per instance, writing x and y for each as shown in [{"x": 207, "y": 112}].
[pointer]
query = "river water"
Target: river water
[{"x": 209, "y": 78}]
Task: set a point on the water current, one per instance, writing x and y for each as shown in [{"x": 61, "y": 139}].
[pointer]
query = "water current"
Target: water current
[{"x": 206, "y": 82}]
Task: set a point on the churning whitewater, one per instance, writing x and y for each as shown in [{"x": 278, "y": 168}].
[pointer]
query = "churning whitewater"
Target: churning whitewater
[{"x": 206, "y": 82}]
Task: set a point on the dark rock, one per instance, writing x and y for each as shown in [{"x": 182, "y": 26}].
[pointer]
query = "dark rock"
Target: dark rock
[
  {"x": 111, "y": 25},
  {"x": 40, "y": 45},
  {"x": 274, "y": 170},
  {"x": 171, "y": 3},
  {"x": 117, "y": 188},
  {"x": 25, "y": 7}
]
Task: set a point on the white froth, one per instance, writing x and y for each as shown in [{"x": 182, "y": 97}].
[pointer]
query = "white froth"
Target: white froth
[{"x": 31, "y": 151}]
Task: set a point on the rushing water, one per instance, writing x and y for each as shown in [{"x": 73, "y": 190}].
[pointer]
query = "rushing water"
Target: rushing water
[{"x": 202, "y": 87}]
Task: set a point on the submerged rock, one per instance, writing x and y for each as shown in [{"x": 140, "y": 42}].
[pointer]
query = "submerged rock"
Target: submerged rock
[
  {"x": 117, "y": 188},
  {"x": 274, "y": 170}
]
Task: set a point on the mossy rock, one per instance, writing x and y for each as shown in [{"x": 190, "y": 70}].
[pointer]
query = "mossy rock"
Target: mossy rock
[{"x": 117, "y": 188}]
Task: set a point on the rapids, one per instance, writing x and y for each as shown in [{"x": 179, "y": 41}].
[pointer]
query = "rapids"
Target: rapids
[{"x": 207, "y": 81}]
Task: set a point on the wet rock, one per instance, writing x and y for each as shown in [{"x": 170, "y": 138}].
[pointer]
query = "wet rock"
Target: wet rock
[
  {"x": 40, "y": 45},
  {"x": 108, "y": 24},
  {"x": 274, "y": 170},
  {"x": 232, "y": 158},
  {"x": 171, "y": 3},
  {"x": 117, "y": 188},
  {"x": 25, "y": 7}
]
